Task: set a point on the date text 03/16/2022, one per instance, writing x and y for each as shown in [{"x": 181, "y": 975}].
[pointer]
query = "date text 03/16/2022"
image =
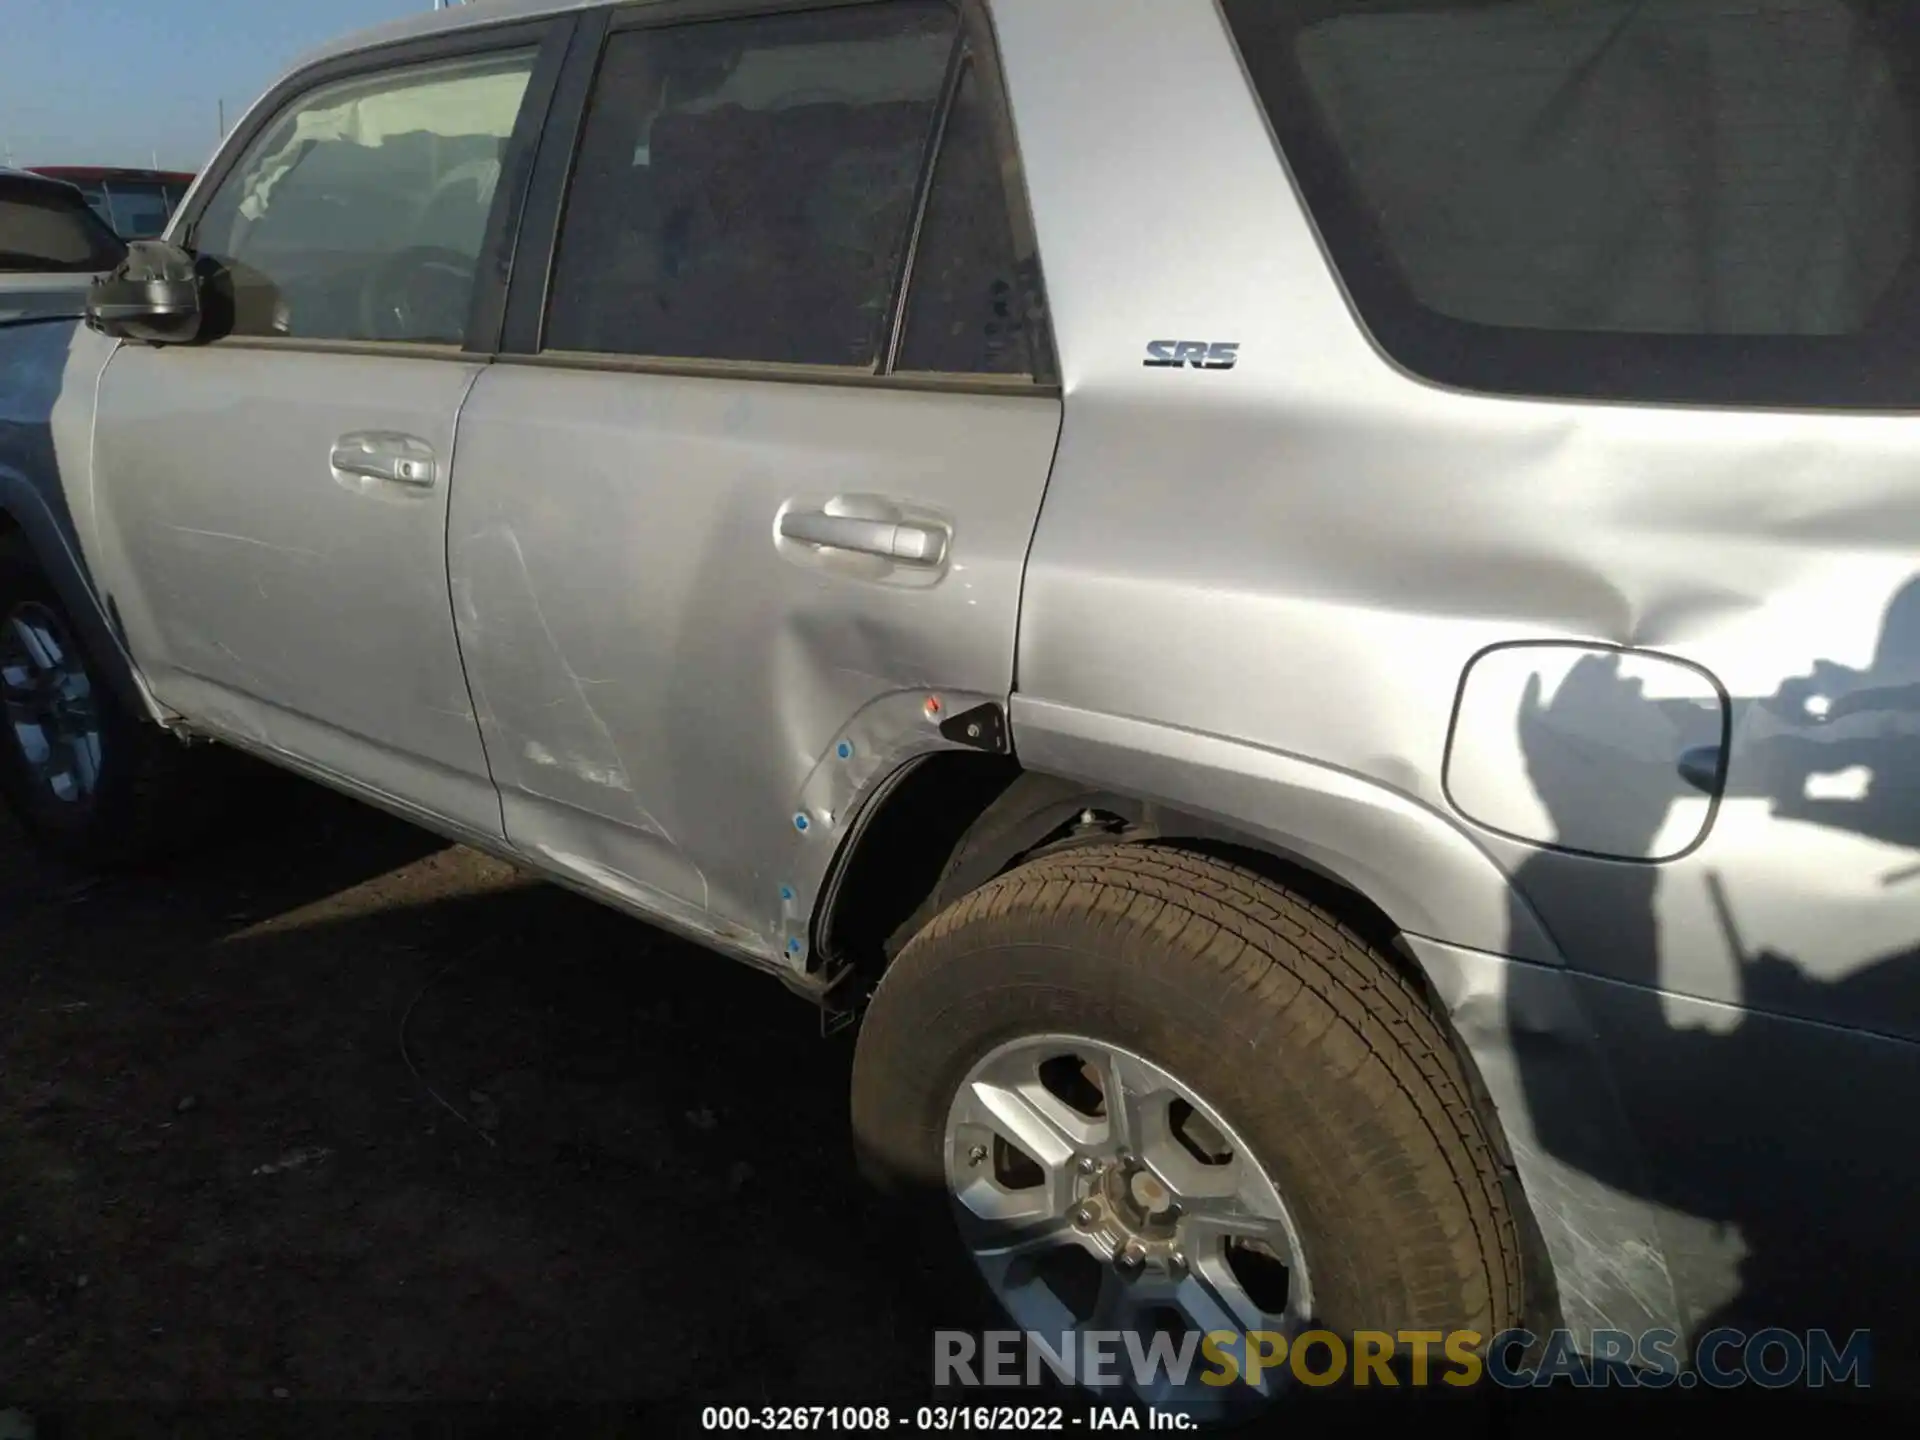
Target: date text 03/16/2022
[{"x": 939, "y": 1419}]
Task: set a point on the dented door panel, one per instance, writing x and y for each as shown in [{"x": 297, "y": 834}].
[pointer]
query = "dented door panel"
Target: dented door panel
[{"x": 681, "y": 702}]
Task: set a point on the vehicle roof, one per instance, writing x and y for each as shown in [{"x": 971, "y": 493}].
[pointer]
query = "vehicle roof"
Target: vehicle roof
[
  {"x": 473, "y": 15},
  {"x": 436, "y": 22},
  {"x": 35, "y": 178},
  {"x": 109, "y": 172}
]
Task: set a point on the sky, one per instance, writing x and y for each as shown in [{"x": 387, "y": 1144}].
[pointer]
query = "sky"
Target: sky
[{"x": 117, "y": 82}]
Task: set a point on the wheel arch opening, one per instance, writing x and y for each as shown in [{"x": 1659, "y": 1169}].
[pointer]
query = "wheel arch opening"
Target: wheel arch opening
[{"x": 955, "y": 821}]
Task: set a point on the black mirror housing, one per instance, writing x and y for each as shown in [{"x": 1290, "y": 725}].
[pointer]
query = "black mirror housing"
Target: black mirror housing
[{"x": 152, "y": 296}]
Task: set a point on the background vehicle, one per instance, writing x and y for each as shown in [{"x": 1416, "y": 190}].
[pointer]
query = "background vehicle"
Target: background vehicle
[
  {"x": 1310, "y": 728},
  {"x": 51, "y": 245},
  {"x": 136, "y": 203}
]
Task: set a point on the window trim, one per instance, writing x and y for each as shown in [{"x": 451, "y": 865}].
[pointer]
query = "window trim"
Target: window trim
[
  {"x": 901, "y": 296},
  {"x": 781, "y": 372},
  {"x": 528, "y": 300},
  {"x": 548, "y": 38},
  {"x": 1845, "y": 374}
]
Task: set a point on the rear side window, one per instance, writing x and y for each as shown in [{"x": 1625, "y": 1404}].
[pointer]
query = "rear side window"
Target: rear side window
[
  {"x": 1711, "y": 202},
  {"x": 96, "y": 194},
  {"x": 972, "y": 308},
  {"x": 745, "y": 188},
  {"x": 48, "y": 231}
]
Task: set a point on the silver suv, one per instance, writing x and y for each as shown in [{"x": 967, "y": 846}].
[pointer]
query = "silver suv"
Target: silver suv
[{"x": 1306, "y": 609}]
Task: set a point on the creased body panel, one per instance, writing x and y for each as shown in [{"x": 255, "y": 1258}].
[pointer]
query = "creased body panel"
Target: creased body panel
[
  {"x": 665, "y": 683},
  {"x": 1424, "y": 871},
  {"x": 1304, "y": 555}
]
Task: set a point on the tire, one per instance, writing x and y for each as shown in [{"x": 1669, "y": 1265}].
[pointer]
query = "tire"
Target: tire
[
  {"x": 1314, "y": 1050},
  {"x": 146, "y": 794}
]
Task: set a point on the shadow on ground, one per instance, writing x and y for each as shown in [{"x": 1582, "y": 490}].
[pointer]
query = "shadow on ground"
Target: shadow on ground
[
  {"x": 222, "y": 1182},
  {"x": 655, "y": 1199}
]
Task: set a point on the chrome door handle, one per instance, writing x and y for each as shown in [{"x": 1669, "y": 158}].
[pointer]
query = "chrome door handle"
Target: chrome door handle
[
  {"x": 907, "y": 542},
  {"x": 380, "y": 455}
]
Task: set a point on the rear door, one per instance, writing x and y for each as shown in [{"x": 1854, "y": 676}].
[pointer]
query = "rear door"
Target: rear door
[{"x": 758, "y": 482}]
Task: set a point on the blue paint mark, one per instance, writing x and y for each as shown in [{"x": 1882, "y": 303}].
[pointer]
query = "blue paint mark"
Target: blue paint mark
[
  {"x": 846, "y": 750},
  {"x": 786, "y": 893},
  {"x": 800, "y": 822},
  {"x": 793, "y": 947}
]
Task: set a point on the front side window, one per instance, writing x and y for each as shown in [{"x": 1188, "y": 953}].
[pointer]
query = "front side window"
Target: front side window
[
  {"x": 361, "y": 212},
  {"x": 1711, "y": 202},
  {"x": 45, "y": 230},
  {"x": 744, "y": 188}
]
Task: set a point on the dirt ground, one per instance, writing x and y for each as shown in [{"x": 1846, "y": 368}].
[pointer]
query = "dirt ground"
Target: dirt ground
[{"x": 221, "y": 1179}]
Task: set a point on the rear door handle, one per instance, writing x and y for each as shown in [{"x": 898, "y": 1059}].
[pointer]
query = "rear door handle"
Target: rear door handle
[
  {"x": 385, "y": 455},
  {"x": 906, "y": 542}
]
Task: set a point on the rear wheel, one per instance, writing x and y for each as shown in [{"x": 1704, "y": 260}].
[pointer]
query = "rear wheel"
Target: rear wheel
[
  {"x": 91, "y": 783},
  {"x": 1156, "y": 1094}
]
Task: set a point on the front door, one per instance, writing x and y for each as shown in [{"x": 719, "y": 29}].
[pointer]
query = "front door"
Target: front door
[
  {"x": 274, "y": 502},
  {"x": 742, "y": 511}
]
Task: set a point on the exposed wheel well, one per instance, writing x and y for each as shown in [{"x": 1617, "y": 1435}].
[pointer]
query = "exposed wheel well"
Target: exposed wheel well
[{"x": 956, "y": 820}]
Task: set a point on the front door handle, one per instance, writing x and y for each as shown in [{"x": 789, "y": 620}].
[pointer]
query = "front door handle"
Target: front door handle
[
  {"x": 907, "y": 542},
  {"x": 383, "y": 455}
]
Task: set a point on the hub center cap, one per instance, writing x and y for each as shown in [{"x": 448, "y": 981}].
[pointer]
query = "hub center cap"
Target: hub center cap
[{"x": 1150, "y": 1194}]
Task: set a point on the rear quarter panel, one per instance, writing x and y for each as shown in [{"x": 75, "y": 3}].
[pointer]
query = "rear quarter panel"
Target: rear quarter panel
[{"x": 1300, "y": 557}]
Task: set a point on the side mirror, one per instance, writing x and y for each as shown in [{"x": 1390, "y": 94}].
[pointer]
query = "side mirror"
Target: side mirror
[{"x": 153, "y": 295}]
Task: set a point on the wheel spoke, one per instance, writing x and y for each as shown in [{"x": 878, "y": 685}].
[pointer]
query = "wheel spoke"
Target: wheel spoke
[
  {"x": 34, "y": 643},
  {"x": 32, "y": 739},
  {"x": 19, "y": 686},
  {"x": 1132, "y": 1093},
  {"x": 86, "y": 761},
  {"x": 1222, "y": 1218},
  {"x": 1000, "y": 1250},
  {"x": 1018, "y": 1117}
]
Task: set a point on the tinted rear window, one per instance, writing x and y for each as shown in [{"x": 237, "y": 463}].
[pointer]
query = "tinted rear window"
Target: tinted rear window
[
  {"x": 49, "y": 231},
  {"x": 1713, "y": 201},
  {"x": 139, "y": 208}
]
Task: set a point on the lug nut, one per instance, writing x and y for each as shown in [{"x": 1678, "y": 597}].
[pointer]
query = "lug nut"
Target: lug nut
[
  {"x": 1130, "y": 1261},
  {"x": 977, "y": 1155},
  {"x": 1084, "y": 1217},
  {"x": 1177, "y": 1265},
  {"x": 1087, "y": 1165}
]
